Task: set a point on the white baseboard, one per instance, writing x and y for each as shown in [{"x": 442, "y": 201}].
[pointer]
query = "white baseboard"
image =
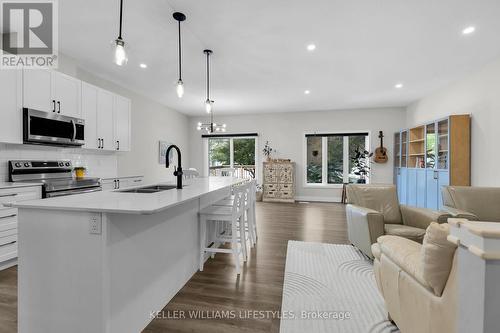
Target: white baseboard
[{"x": 318, "y": 199}]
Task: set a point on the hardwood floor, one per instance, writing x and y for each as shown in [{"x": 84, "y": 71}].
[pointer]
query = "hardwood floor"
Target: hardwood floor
[{"x": 217, "y": 288}]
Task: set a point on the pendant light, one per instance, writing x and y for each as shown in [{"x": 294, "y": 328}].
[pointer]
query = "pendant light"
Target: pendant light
[
  {"x": 120, "y": 54},
  {"x": 179, "y": 17},
  {"x": 210, "y": 127},
  {"x": 208, "y": 101}
]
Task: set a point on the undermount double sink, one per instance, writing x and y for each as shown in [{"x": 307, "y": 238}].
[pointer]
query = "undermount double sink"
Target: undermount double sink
[{"x": 149, "y": 189}]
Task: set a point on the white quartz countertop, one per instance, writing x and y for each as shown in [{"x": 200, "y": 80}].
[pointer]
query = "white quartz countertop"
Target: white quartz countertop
[
  {"x": 7, "y": 185},
  {"x": 131, "y": 203}
]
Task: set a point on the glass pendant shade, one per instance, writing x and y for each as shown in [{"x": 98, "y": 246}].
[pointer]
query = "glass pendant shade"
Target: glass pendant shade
[
  {"x": 120, "y": 53},
  {"x": 180, "y": 89},
  {"x": 208, "y": 106}
]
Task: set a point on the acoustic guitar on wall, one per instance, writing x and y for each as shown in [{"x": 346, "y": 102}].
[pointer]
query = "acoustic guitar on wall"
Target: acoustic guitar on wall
[{"x": 380, "y": 155}]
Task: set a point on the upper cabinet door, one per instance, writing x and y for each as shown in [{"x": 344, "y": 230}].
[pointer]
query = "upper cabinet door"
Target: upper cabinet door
[
  {"x": 11, "y": 119},
  {"x": 122, "y": 123},
  {"x": 37, "y": 90},
  {"x": 67, "y": 93},
  {"x": 89, "y": 114},
  {"x": 105, "y": 101}
]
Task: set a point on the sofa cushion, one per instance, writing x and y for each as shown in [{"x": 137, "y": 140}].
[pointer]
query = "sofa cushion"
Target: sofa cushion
[
  {"x": 405, "y": 254},
  {"x": 379, "y": 197},
  {"x": 406, "y": 231},
  {"x": 437, "y": 256}
]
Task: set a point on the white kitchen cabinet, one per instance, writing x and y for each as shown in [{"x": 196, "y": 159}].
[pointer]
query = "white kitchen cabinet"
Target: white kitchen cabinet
[
  {"x": 37, "y": 90},
  {"x": 11, "y": 119},
  {"x": 66, "y": 91},
  {"x": 105, "y": 101},
  {"x": 8, "y": 221},
  {"x": 51, "y": 91},
  {"x": 121, "y": 182},
  {"x": 122, "y": 123},
  {"x": 89, "y": 113}
]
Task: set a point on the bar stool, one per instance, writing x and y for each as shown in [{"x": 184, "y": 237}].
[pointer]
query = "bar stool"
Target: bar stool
[
  {"x": 234, "y": 233},
  {"x": 249, "y": 216}
]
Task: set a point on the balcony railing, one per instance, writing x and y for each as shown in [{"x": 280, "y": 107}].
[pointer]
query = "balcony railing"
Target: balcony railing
[{"x": 240, "y": 171}]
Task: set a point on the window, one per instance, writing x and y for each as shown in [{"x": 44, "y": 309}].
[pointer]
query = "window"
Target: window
[
  {"x": 232, "y": 153},
  {"x": 329, "y": 157}
]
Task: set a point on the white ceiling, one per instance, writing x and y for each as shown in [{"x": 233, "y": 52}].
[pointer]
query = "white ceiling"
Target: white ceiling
[{"x": 260, "y": 62}]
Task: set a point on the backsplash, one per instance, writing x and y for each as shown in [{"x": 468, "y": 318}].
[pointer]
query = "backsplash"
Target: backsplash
[{"x": 98, "y": 164}]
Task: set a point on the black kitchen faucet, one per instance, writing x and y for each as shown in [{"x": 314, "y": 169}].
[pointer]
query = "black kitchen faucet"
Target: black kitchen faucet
[{"x": 178, "y": 169}]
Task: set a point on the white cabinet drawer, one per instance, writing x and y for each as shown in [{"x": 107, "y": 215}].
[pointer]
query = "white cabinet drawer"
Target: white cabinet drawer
[
  {"x": 8, "y": 236},
  {"x": 7, "y": 212},
  {"x": 8, "y": 251},
  {"x": 20, "y": 194},
  {"x": 8, "y": 223}
]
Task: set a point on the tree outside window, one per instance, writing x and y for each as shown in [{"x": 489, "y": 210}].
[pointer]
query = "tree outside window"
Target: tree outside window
[{"x": 329, "y": 158}]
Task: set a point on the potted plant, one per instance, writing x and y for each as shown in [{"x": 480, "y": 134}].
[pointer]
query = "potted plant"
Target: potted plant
[
  {"x": 267, "y": 151},
  {"x": 259, "y": 193},
  {"x": 360, "y": 164}
]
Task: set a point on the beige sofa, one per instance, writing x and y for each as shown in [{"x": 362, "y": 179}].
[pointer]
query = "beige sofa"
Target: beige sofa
[
  {"x": 406, "y": 277},
  {"x": 472, "y": 203},
  {"x": 374, "y": 210}
]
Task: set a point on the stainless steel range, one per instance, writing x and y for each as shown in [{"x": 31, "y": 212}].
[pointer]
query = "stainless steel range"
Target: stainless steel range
[{"x": 56, "y": 176}]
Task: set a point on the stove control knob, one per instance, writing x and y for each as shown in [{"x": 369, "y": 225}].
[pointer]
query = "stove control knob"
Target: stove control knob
[
  {"x": 61, "y": 163},
  {"x": 26, "y": 164},
  {"x": 68, "y": 164},
  {"x": 18, "y": 165}
]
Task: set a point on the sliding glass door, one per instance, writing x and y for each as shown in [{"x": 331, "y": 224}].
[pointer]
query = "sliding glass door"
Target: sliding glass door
[{"x": 232, "y": 155}]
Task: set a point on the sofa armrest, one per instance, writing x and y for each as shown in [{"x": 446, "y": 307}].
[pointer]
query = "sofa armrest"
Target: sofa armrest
[
  {"x": 460, "y": 214},
  {"x": 422, "y": 217},
  {"x": 364, "y": 226},
  {"x": 406, "y": 254}
]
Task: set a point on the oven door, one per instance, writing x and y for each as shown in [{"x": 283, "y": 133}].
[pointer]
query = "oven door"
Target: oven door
[{"x": 51, "y": 128}]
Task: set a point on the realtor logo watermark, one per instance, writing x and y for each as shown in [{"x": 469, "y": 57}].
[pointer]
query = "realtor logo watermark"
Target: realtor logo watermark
[{"x": 29, "y": 34}]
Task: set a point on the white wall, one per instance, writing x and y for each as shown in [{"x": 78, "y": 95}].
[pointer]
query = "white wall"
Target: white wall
[
  {"x": 478, "y": 95},
  {"x": 285, "y": 132},
  {"x": 151, "y": 122}
]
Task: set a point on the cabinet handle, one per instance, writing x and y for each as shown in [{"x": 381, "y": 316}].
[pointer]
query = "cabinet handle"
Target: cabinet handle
[
  {"x": 53, "y": 105},
  {"x": 117, "y": 144},
  {"x": 8, "y": 195},
  {"x": 118, "y": 183},
  {"x": 98, "y": 143},
  {"x": 115, "y": 186},
  {"x": 58, "y": 106},
  {"x": 102, "y": 145},
  {"x": 436, "y": 175}
]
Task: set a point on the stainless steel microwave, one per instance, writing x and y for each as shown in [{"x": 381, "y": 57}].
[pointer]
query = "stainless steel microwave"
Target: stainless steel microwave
[{"x": 40, "y": 127}]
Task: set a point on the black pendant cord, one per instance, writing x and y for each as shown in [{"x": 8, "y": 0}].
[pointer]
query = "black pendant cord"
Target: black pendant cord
[
  {"x": 208, "y": 78},
  {"x": 121, "y": 18},
  {"x": 180, "y": 54}
]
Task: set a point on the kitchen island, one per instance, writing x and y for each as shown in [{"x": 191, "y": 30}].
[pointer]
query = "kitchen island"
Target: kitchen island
[{"x": 106, "y": 261}]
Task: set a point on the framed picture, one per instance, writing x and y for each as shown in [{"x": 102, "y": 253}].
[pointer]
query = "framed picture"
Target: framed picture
[{"x": 163, "y": 146}]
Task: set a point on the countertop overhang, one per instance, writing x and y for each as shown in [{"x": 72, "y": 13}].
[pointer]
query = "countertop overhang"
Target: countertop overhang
[{"x": 132, "y": 203}]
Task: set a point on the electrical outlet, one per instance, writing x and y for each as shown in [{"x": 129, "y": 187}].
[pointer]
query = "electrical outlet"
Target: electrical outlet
[{"x": 95, "y": 224}]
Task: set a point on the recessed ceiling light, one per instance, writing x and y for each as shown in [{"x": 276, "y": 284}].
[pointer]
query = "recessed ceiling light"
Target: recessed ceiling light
[
  {"x": 398, "y": 85},
  {"x": 311, "y": 47},
  {"x": 143, "y": 66},
  {"x": 468, "y": 30},
  {"x": 307, "y": 92}
]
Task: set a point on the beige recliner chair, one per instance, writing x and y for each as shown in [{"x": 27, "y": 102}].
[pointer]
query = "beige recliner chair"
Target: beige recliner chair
[
  {"x": 374, "y": 210},
  {"x": 472, "y": 203},
  {"x": 418, "y": 282}
]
